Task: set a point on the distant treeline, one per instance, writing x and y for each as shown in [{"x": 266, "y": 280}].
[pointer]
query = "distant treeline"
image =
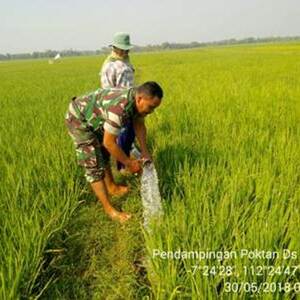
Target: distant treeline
[{"x": 164, "y": 46}]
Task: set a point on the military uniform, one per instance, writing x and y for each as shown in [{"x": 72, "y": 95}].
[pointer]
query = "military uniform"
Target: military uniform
[{"x": 87, "y": 118}]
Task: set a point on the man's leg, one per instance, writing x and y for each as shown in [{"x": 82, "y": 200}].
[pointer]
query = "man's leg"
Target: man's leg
[
  {"x": 97, "y": 178},
  {"x": 100, "y": 190},
  {"x": 90, "y": 156},
  {"x": 112, "y": 188},
  {"x": 105, "y": 183},
  {"x": 125, "y": 141}
]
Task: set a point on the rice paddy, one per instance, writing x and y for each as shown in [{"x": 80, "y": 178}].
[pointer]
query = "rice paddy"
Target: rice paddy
[{"x": 227, "y": 150}]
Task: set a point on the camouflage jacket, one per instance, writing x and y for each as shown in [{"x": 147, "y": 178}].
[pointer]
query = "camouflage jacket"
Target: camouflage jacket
[
  {"x": 108, "y": 109},
  {"x": 116, "y": 72}
]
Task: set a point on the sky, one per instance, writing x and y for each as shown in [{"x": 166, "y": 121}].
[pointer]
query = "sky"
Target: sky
[{"x": 38, "y": 25}]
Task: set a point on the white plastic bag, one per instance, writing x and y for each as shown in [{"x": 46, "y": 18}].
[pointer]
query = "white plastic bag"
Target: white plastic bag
[{"x": 150, "y": 194}]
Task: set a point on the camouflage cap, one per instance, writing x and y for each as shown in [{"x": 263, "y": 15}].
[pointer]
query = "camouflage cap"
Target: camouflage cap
[{"x": 121, "y": 40}]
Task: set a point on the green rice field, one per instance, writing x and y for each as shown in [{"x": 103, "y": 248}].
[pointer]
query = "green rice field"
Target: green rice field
[{"x": 226, "y": 145}]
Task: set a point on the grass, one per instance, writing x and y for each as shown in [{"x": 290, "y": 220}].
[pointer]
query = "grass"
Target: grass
[{"x": 226, "y": 146}]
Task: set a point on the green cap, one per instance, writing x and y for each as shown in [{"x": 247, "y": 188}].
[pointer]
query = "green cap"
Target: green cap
[{"x": 122, "y": 41}]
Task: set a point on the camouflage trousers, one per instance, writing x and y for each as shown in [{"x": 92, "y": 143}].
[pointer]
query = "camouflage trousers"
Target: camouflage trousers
[{"x": 90, "y": 152}]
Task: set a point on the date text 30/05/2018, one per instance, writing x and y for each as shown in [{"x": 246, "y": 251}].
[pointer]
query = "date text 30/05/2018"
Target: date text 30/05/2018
[{"x": 261, "y": 287}]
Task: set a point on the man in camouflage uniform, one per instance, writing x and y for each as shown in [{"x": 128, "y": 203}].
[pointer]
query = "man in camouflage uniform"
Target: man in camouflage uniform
[
  {"x": 117, "y": 71},
  {"x": 94, "y": 122}
]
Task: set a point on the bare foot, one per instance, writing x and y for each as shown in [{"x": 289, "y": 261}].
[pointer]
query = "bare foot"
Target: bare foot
[
  {"x": 121, "y": 217},
  {"x": 118, "y": 190}
]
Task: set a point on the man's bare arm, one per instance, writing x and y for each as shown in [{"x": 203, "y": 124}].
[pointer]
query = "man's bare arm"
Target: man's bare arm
[
  {"x": 110, "y": 143},
  {"x": 141, "y": 135}
]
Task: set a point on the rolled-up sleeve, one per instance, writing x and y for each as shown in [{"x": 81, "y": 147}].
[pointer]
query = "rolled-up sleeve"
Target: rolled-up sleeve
[{"x": 113, "y": 123}]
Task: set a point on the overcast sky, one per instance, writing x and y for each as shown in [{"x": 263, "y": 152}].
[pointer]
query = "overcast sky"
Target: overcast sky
[{"x": 37, "y": 25}]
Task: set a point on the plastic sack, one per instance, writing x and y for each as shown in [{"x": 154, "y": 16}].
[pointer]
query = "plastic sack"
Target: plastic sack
[{"x": 150, "y": 194}]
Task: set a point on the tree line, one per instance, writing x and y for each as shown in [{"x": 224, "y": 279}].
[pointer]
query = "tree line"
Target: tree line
[{"x": 159, "y": 47}]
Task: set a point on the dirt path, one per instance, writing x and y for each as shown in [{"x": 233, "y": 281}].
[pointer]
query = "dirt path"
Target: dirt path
[{"x": 99, "y": 259}]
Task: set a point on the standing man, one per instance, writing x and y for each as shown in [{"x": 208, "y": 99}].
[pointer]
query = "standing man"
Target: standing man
[
  {"x": 117, "y": 71},
  {"x": 94, "y": 122}
]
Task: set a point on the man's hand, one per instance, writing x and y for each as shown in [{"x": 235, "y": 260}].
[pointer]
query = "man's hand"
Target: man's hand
[{"x": 134, "y": 165}]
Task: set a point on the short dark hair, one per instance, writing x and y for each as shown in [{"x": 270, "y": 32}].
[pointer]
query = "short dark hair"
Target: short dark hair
[{"x": 151, "y": 88}]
